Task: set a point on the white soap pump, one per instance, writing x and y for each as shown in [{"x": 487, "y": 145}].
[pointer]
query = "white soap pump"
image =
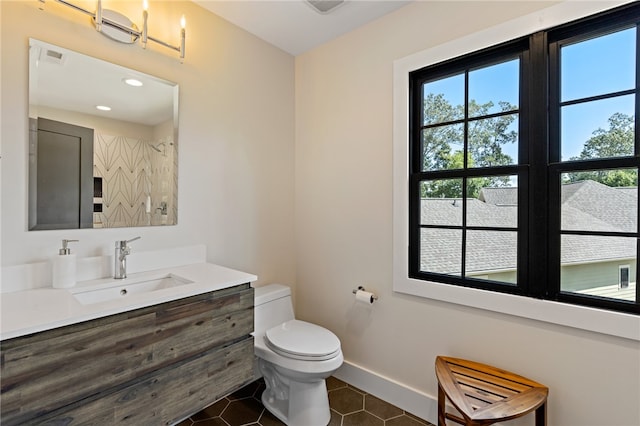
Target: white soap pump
[{"x": 64, "y": 267}]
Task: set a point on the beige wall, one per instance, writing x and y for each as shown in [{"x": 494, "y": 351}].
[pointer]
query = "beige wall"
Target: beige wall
[
  {"x": 117, "y": 127},
  {"x": 344, "y": 223},
  {"x": 238, "y": 161},
  {"x": 235, "y": 140}
]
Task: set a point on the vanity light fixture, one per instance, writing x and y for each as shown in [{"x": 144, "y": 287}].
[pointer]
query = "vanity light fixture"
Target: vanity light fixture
[
  {"x": 103, "y": 108},
  {"x": 118, "y": 27}
]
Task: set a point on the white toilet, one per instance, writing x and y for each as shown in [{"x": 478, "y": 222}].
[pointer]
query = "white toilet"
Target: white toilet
[{"x": 294, "y": 357}]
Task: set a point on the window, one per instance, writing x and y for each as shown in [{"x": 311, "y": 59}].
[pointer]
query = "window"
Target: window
[
  {"x": 466, "y": 180},
  {"x": 623, "y": 281},
  {"x": 523, "y": 166}
]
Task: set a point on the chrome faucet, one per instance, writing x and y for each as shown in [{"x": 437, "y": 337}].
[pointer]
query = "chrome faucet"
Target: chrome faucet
[{"x": 122, "y": 251}]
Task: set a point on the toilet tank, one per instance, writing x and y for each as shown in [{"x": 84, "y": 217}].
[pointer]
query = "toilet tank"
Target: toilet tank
[{"x": 272, "y": 306}]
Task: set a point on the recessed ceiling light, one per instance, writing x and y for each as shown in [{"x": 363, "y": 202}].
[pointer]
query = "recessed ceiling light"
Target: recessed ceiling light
[
  {"x": 132, "y": 82},
  {"x": 103, "y": 108}
]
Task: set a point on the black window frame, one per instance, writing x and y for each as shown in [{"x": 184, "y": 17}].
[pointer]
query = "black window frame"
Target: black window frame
[{"x": 539, "y": 167}]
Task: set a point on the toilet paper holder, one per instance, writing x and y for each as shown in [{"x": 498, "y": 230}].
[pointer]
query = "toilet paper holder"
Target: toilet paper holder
[{"x": 361, "y": 288}]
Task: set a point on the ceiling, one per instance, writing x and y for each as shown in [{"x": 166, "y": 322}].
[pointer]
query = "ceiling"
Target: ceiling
[
  {"x": 78, "y": 83},
  {"x": 62, "y": 79},
  {"x": 294, "y": 25}
]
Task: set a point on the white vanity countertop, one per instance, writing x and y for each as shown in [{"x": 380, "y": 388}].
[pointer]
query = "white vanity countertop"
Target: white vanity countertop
[{"x": 31, "y": 311}]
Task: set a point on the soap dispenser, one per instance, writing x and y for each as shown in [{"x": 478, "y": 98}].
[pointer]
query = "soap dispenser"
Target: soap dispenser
[{"x": 64, "y": 267}]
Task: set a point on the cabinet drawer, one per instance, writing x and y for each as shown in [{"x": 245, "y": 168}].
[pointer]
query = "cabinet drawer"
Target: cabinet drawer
[
  {"x": 167, "y": 396},
  {"x": 45, "y": 371}
]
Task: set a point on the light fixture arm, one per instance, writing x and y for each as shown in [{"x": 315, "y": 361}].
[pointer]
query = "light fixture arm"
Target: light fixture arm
[{"x": 101, "y": 20}]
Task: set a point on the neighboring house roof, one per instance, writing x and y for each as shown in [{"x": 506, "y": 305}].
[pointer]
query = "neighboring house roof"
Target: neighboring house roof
[
  {"x": 487, "y": 250},
  {"x": 630, "y": 190},
  {"x": 586, "y": 205},
  {"x": 592, "y": 206},
  {"x": 499, "y": 196},
  {"x": 605, "y": 208}
]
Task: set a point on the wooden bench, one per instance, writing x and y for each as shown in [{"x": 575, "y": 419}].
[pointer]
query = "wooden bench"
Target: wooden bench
[{"x": 485, "y": 395}]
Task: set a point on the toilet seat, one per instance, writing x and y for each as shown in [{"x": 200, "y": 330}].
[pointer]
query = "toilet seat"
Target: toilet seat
[{"x": 302, "y": 340}]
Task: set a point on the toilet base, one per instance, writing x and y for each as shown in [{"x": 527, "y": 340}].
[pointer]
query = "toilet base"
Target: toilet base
[{"x": 295, "y": 403}]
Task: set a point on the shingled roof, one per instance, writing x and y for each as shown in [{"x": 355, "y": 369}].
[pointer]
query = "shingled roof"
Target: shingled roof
[{"x": 586, "y": 205}]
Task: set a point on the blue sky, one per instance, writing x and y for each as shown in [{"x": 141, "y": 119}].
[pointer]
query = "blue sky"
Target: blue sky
[
  {"x": 595, "y": 67},
  {"x": 590, "y": 68}
]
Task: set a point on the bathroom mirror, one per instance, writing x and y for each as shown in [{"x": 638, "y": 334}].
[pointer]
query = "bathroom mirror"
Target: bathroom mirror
[{"x": 102, "y": 143}]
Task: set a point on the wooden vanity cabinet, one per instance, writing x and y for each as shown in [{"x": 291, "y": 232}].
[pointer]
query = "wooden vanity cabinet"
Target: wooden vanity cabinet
[{"x": 151, "y": 366}]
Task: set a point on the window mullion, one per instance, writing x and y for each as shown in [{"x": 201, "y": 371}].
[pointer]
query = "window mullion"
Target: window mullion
[
  {"x": 465, "y": 150},
  {"x": 539, "y": 199}
]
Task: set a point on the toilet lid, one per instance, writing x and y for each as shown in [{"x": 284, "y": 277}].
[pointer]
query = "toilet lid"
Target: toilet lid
[{"x": 302, "y": 340}]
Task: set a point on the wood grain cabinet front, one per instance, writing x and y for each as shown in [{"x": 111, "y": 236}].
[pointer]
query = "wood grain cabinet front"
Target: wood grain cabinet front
[{"x": 150, "y": 366}]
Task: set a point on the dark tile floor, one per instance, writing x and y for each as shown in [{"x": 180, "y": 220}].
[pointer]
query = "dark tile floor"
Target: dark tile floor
[{"x": 349, "y": 407}]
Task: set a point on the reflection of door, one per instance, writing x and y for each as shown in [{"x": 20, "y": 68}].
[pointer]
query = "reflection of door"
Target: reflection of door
[{"x": 64, "y": 176}]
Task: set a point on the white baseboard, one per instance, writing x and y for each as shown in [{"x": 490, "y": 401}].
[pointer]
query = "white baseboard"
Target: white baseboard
[{"x": 402, "y": 396}]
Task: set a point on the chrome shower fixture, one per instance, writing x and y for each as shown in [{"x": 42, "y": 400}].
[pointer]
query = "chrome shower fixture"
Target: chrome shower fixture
[{"x": 156, "y": 147}]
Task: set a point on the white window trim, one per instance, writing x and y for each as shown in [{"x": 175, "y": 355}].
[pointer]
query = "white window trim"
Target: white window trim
[{"x": 581, "y": 317}]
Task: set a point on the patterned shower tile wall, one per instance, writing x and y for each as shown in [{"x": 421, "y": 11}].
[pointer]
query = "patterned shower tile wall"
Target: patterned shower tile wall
[
  {"x": 139, "y": 181},
  {"x": 167, "y": 174}
]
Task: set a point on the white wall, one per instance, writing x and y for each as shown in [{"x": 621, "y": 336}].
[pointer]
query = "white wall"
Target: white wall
[
  {"x": 344, "y": 178},
  {"x": 235, "y": 139}
]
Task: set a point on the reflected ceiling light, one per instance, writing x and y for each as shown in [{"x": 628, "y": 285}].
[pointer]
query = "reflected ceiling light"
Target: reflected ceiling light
[
  {"x": 118, "y": 27},
  {"x": 132, "y": 82},
  {"x": 103, "y": 108}
]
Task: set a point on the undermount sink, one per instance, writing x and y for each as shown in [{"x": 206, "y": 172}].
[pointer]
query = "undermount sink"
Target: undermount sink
[{"x": 123, "y": 288}]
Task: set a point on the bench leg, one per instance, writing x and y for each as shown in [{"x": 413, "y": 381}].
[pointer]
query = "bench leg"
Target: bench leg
[
  {"x": 541, "y": 415},
  {"x": 441, "y": 412}
]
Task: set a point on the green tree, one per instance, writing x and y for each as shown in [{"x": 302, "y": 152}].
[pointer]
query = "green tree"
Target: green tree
[
  {"x": 488, "y": 136},
  {"x": 452, "y": 188},
  {"x": 437, "y": 141},
  {"x": 443, "y": 146},
  {"x": 616, "y": 141}
]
